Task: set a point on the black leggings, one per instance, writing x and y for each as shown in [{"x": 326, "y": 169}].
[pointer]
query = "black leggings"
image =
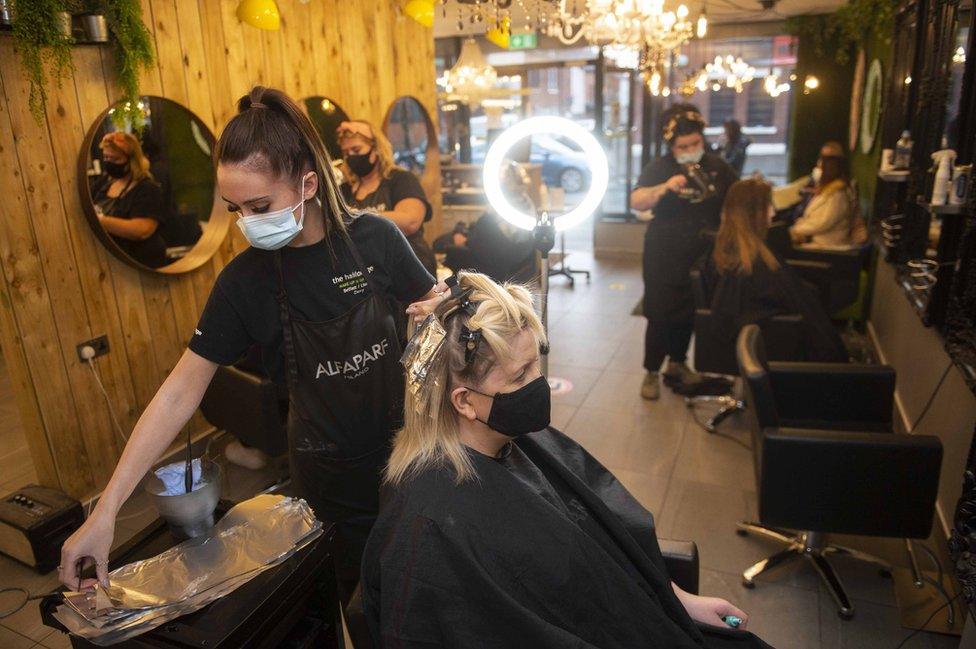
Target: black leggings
[{"x": 666, "y": 339}]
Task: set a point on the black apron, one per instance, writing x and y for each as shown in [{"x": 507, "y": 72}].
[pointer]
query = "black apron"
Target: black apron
[
  {"x": 670, "y": 250},
  {"x": 675, "y": 239},
  {"x": 345, "y": 401}
]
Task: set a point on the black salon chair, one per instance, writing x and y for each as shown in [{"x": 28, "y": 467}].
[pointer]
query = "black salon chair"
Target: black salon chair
[
  {"x": 680, "y": 557},
  {"x": 243, "y": 401},
  {"x": 835, "y": 273},
  {"x": 826, "y": 461},
  {"x": 718, "y": 356}
]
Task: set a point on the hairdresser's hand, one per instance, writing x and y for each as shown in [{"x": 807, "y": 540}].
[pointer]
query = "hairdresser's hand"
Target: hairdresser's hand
[
  {"x": 676, "y": 183},
  {"x": 426, "y": 305},
  {"x": 89, "y": 544},
  {"x": 710, "y": 610}
]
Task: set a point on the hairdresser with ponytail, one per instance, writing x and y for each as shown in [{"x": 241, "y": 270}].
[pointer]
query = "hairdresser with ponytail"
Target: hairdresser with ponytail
[{"x": 316, "y": 290}]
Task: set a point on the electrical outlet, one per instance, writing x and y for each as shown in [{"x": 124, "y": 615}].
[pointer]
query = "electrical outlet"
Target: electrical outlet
[{"x": 100, "y": 345}]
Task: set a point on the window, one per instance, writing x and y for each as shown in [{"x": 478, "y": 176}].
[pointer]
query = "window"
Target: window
[
  {"x": 761, "y": 106},
  {"x": 722, "y": 106}
]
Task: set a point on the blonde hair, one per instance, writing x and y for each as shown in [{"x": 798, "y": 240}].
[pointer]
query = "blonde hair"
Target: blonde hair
[
  {"x": 430, "y": 436},
  {"x": 128, "y": 145},
  {"x": 384, "y": 152},
  {"x": 745, "y": 220}
]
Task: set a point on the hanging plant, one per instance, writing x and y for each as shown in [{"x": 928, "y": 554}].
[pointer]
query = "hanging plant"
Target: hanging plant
[
  {"x": 44, "y": 42},
  {"x": 133, "y": 52},
  {"x": 44, "y": 45},
  {"x": 842, "y": 31}
]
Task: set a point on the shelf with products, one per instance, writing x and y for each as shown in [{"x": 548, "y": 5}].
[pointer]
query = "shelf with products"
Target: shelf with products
[{"x": 893, "y": 176}]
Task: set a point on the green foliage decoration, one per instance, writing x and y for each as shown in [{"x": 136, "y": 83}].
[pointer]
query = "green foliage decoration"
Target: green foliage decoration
[
  {"x": 844, "y": 30},
  {"x": 43, "y": 45},
  {"x": 133, "y": 52},
  {"x": 45, "y": 48}
]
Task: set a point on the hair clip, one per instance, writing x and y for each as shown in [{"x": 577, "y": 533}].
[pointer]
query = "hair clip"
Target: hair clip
[
  {"x": 464, "y": 304},
  {"x": 453, "y": 286},
  {"x": 257, "y": 104},
  {"x": 471, "y": 340}
]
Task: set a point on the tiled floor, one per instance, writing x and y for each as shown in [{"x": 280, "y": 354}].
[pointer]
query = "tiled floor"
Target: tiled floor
[{"x": 697, "y": 485}]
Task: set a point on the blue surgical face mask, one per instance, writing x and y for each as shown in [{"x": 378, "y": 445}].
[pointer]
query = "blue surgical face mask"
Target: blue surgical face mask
[
  {"x": 694, "y": 157},
  {"x": 273, "y": 230}
]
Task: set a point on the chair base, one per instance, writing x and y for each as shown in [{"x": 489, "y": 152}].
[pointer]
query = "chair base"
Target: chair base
[
  {"x": 729, "y": 406},
  {"x": 812, "y": 547}
]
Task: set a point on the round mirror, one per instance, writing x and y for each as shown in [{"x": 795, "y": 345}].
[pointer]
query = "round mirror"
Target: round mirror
[
  {"x": 326, "y": 115},
  {"x": 411, "y": 132},
  {"x": 148, "y": 189},
  {"x": 871, "y": 116}
]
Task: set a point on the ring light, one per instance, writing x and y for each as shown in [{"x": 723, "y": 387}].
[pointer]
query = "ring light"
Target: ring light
[{"x": 599, "y": 174}]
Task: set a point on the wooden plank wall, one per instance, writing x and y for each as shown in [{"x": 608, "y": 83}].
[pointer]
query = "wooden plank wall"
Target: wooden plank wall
[{"x": 60, "y": 287}]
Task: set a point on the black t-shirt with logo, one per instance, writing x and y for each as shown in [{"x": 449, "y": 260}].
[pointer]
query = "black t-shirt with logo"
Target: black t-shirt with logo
[
  {"x": 400, "y": 185},
  {"x": 243, "y": 311},
  {"x": 142, "y": 199}
]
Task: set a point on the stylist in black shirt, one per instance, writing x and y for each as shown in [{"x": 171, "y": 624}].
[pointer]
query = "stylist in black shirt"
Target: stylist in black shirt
[
  {"x": 315, "y": 291},
  {"x": 685, "y": 190},
  {"x": 129, "y": 201},
  {"x": 373, "y": 181}
]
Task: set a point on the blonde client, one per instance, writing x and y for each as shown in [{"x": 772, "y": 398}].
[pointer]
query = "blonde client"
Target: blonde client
[{"x": 499, "y": 531}]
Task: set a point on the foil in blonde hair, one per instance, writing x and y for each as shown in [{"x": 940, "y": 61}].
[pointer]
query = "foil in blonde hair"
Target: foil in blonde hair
[{"x": 419, "y": 357}]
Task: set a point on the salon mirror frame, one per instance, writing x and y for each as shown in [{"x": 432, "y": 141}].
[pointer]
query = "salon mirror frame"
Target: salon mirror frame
[
  {"x": 871, "y": 114},
  {"x": 214, "y": 230},
  {"x": 336, "y": 154},
  {"x": 433, "y": 148}
]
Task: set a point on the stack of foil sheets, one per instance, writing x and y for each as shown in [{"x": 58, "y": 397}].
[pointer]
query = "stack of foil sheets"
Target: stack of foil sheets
[{"x": 253, "y": 536}]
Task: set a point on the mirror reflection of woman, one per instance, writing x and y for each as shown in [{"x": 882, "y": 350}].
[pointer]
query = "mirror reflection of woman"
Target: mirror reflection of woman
[
  {"x": 373, "y": 180},
  {"x": 315, "y": 291},
  {"x": 128, "y": 200}
]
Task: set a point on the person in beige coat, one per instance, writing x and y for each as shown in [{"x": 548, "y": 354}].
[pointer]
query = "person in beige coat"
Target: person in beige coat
[{"x": 828, "y": 218}]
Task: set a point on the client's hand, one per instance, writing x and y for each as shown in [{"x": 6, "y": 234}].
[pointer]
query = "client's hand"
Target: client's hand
[{"x": 709, "y": 610}]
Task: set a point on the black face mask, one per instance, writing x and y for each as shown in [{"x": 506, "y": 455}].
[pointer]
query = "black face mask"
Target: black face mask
[
  {"x": 360, "y": 164},
  {"x": 522, "y": 411},
  {"x": 115, "y": 169}
]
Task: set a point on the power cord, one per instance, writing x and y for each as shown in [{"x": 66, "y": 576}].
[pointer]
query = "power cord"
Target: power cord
[
  {"x": 88, "y": 354},
  {"x": 694, "y": 415},
  {"x": 928, "y": 404},
  {"x": 926, "y": 623},
  {"x": 27, "y": 598}
]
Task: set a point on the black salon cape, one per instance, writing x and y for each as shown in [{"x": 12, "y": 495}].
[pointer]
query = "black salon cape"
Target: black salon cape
[
  {"x": 740, "y": 299},
  {"x": 493, "y": 563}
]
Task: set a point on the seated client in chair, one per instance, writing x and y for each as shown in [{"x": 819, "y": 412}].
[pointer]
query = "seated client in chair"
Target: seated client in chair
[
  {"x": 749, "y": 284},
  {"x": 499, "y": 531}
]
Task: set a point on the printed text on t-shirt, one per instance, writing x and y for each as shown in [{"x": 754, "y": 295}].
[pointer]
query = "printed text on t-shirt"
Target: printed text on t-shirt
[{"x": 353, "y": 282}]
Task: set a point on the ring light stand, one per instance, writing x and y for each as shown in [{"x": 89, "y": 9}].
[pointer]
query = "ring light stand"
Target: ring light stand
[{"x": 542, "y": 223}]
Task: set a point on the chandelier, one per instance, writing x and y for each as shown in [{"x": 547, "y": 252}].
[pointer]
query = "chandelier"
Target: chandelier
[
  {"x": 773, "y": 87},
  {"x": 631, "y": 23},
  {"x": 471, "y": 79},
  {"x": 724, "y": 72}
]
